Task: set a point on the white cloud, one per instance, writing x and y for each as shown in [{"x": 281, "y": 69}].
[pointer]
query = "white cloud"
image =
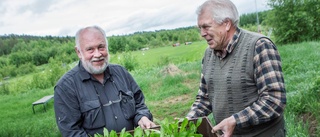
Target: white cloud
[{"x": 64, "y": 17}]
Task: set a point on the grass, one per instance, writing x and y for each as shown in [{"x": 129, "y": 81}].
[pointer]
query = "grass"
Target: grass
[
  {"x": 302, "y": 77},
  {"x": 17, "y": 118},
  {"x": 163, "y": 55},
  {"x": 170, "y": 96}
]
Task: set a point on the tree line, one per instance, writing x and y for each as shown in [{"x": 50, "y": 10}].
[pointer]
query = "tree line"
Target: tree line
[
  {"x": 291, "y": 21},
  {"x": 20, "y": 54}
]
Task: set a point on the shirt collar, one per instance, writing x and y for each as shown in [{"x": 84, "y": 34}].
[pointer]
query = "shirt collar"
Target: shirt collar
[
  {"x": 85, "y": 75},
  {"x": 231, "y": 45}
]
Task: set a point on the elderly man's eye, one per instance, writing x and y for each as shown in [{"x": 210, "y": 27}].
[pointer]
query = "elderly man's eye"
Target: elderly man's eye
[{"x": 205, "y": 27}]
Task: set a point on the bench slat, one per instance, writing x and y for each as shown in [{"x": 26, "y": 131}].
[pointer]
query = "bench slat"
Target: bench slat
[{"x": 43, "y": 100}]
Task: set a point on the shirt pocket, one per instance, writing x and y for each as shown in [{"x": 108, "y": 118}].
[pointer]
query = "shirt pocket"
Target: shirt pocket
[
  {"x": 128, "y": 104},
  {"x": 92, "y": 114}
]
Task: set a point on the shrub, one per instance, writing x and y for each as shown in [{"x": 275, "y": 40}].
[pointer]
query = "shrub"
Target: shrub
[
  {"x": 4, "y": 88},
  {"x": 129, "y": 61}
]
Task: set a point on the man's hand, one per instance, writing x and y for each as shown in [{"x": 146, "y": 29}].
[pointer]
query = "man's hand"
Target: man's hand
[
  {"x": 226, "y": 126},
  {"x": 144, "y": 123}
]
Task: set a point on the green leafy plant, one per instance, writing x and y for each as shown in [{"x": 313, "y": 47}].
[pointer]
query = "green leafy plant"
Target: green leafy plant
[
  {"x": 129, "y": 61},
  {"x": 184, "y": 128}
]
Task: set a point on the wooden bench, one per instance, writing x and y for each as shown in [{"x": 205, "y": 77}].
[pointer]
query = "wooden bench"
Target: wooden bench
[{"x": 44, "y": 100}]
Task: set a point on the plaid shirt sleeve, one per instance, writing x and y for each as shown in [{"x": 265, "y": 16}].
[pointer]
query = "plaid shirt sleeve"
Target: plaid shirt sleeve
[
  {"x": 201, "y": 106},
  {"x": 270, "y": 84}
]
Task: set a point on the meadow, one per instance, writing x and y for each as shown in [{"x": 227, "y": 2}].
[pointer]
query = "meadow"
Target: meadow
[{"x": 169, "y": 78}]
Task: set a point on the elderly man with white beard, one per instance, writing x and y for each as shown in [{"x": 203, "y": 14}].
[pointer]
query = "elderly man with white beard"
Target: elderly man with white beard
[{"x": 96, "y": 94}]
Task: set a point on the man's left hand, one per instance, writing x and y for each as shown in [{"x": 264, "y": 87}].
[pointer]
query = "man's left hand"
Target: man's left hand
[
  {"x": 144, "y": 123},
  {"x": 226, "y": 126}
]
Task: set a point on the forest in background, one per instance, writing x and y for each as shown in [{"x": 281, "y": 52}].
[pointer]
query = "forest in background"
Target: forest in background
[
  {"x": 20, "y": 54},
  {"x": 289, "y": 21}
]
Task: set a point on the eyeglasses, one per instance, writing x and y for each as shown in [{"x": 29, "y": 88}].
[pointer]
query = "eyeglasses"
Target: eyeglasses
[
  {"x": 110, "y": 102},
  {"x": 113, "y": 102}
]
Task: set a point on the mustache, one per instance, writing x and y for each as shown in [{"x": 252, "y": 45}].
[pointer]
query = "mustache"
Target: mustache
[{"x": 97, "y": 59}]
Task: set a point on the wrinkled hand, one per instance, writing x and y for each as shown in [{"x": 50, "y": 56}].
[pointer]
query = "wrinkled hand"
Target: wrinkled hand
[
  {"x": 144, "y": 123},
  {"x": 226, "y": 126}
]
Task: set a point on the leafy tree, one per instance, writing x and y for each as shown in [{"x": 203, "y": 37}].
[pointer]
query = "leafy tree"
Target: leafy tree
[
  {"x": 251, "y": 18},
  {"x": 294, "y": 20},
  {"x": 19, "y": 58},
  {"x": 3, "y": 62},
  {"x": 6, "y": 45}
]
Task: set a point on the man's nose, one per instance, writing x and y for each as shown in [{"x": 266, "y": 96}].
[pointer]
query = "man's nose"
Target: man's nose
[
  {"x": 97, "y": 53},
  {"x": 203, "y": 32}
]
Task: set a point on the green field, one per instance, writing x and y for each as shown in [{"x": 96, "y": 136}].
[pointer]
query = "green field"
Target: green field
[
  {"x": 163, "y": 55},
  {"x": 169, "y": 77}
]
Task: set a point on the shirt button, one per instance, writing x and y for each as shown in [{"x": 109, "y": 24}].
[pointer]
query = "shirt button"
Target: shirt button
[{"x": 115, "y": 117}]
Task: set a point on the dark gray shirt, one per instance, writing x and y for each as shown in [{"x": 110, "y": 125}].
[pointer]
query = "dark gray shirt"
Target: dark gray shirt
[{"x": 83, "y": 106}]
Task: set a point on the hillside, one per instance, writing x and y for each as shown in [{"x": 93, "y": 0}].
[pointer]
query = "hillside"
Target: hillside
[{"x": 169, "y": 85}]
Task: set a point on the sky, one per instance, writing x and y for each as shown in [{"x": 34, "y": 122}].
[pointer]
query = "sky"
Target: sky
[{"x": 116, "y": 17}]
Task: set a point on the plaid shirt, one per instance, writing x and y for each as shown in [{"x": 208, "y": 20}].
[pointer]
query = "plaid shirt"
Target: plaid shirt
[{"x": 269, "y": 81}]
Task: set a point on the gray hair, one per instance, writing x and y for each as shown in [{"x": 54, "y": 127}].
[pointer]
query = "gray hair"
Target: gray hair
[
  {"x": 77, "y": 37},
  {"x": 221, "y": 11}
]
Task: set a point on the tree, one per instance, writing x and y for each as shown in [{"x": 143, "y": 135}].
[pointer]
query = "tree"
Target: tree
[{"x": 294, "y": 20}]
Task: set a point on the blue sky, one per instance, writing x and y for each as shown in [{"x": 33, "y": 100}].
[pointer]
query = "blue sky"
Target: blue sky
[{"x": 116, "y": 17}]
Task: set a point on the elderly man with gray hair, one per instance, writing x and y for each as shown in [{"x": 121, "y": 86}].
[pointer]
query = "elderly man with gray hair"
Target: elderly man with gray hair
[
  {"x": 242, "y": 82},
  {"x": 96, "y": 94}
]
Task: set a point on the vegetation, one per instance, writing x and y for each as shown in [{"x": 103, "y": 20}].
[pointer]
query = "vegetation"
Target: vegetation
[
  {"x": 169, "y": 76},
  {"x": 184, "y": 128},
  {"x": 294, "y": 20},
  {"x": 170, "y": 95},
  {"x": 20, "y": 52}
]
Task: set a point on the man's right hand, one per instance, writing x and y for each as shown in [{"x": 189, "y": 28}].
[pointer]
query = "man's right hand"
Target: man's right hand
[{"x": 145, "y": 123}]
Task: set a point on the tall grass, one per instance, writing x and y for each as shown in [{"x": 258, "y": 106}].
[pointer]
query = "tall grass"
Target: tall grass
[
  {"x": 170, "y": 96},
  {"x": 302, "y": 77}
]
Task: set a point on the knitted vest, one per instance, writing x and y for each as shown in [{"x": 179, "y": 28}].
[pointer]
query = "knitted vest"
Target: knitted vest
[{"x": 231, "y": 84}]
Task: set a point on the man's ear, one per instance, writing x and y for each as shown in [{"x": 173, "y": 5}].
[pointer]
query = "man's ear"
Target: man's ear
[
  {"x": 228, "y": 24},
  {"x": 77, "y": 51}
]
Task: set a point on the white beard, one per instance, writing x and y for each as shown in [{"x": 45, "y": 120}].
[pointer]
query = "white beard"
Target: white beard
[{"x": 92, "y": 69}]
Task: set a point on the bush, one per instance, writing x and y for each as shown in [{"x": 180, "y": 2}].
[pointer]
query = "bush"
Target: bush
[
  {"x": 8, "y": 71},
  {"x": 129, "y": 61},
  {"x": 40, "y": 81},
  {"x": 4, "y": 90},
  {"x": 25, "y": 69},
  {"x": 57, "y": 69},
  {"x": 164, "y": 60}
]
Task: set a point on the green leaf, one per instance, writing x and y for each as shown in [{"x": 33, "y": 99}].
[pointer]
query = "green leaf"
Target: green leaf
[
  {"x": 113, "y": 133},
  {"x": 147, "y": 132},
  {"x": 155, "y": 134},
  {"x": 199, "y": 121},
  {"x": 105, "y": 132},
  {"x": 184, "y": 124},
  {"x": 122, "y": 133},
  {"x": 138, "y": 132}
]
